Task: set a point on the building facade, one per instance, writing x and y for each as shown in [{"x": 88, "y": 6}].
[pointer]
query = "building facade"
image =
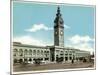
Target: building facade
[{"x": 48, "y": 54}]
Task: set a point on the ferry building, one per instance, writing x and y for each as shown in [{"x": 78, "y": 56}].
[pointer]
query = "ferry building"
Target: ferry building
[{"x": 49, "y": 54}]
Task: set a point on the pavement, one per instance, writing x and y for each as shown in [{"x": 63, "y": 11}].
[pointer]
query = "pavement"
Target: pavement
[{"x": 51, "y": 66}]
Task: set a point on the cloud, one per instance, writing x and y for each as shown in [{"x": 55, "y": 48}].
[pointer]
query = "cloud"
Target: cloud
[
  {"x": 83, "y": 47},
  {"x": 29, "y": 40},
  {"x": 37, "y": 27},
  {"x": 81, "y": 42},
  {"x": 76, "y": 41},
  {"x": 80, "y": 39},
  {"x": 66, "y": 26}
]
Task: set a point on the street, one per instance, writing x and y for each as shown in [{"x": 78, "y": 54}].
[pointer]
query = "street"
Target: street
[{"x": 33, "y": 67}]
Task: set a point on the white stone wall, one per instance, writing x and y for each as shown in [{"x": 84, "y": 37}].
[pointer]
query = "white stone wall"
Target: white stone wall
[{"x": 30, "y": 53}]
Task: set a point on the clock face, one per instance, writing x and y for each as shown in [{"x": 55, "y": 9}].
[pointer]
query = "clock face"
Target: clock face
[{"x": 61, "y": 32}]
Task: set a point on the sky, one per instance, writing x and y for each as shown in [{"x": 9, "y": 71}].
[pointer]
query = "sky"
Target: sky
[{"x": 33, "y": 24}]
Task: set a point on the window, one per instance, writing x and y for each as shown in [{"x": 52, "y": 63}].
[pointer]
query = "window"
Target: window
[
  {"x": 15, "y": 52},
  {"x": 30, "y": 59},
  {"x": 30, "y": 52},
  {"x": 20, "y": 52},
  {"x": 41, "y": 52},
  {"x": 34, "y": 52},
  {"x": 66, "y": 54},
  {"x": 70, "y": 54},
  {"x": 70, "y": 58},
  {"x": 66, "y": 58},
  {"x": 45, "y": 52},
  {"x": 61, "y": 54},
  {"x": 25, "y": 52},
  {"x": 38, "y": 52},
  {"x": 61, "y": 51},
  {"x": 46, "y": 58},
  {"x": 15, "y": 60}
]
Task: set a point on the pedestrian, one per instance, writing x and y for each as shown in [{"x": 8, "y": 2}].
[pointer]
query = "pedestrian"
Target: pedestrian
[{"x": 72, "y": 61}]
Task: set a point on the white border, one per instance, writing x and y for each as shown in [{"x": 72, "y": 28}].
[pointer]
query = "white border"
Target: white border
[
  {"x": 56, "y": 70},
  {"x": 86, "y": 2}
]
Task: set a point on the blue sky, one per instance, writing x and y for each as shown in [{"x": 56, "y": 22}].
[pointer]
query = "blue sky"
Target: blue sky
[{"x": 35, "y": 21}]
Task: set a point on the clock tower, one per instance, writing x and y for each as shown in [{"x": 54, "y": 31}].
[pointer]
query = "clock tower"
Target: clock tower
[{"x": 58, "y": 29}]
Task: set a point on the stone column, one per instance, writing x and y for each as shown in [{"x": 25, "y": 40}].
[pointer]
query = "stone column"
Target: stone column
[
  {"x": 43, "y": 55},
  {"x": 68, "y": 56},
  {"x": 32, "y": 57},
  {"x": 72, "y": 55},
  {"x": 64, "y": 56},
  {"x": 35, "y": 54},
  {"x": 23, "y": 55},
  {"x": 49, "y": 56},
  {"x": 17, "y": 54},
  {"x": 55, "y": 55}
]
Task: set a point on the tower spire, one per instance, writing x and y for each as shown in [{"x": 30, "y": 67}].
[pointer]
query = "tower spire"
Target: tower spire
[
  {"x": 58, "y": 20},
  {"x": 58, "y": 12},
  {"x": 58, "y": 29}
]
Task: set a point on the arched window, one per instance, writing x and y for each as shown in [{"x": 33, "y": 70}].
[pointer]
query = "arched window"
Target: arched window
[
  {"x": 15, "y": 52},
  {"x": 15, "y": 49},
  {"x": 34, "y": 52},
  {"x": 38, "y": 52},
  {"x": 61, "y": 52},
  {"x": 25, "y": 52},
  {"x": 20, "y": 60},
  {"x": 41, "y": 52},
  {"x": 30, "y": 59},
  {"x": 30, "y": 52},
  {"x": 70, "y": 58},
  {"x": 15, "y": 60},
  {"x": 45, "y": 52},
  {"x": 20, "y": 52}
]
